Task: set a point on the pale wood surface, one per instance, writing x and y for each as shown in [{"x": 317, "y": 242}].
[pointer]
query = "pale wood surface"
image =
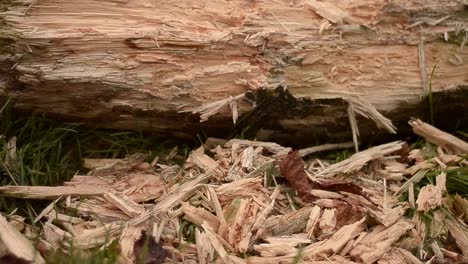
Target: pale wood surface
[{"x": 135, "y": 64}]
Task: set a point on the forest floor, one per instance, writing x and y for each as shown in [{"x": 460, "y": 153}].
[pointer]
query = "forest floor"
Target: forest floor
[{"x": 74, "y": 194}]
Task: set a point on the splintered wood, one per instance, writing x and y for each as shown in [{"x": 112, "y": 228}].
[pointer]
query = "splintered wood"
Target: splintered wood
[
  {"x": 14, "y": 243},
  {"x": 439, "y": 137},
  {"x": 254, "y": 202}
]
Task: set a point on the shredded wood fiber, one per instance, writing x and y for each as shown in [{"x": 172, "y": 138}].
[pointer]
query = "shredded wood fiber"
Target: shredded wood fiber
[{"x": 252, "y": 202}]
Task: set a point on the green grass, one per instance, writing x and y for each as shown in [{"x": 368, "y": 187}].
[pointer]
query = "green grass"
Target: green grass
[
  {"x": 107, "y": 255},
  {"x": 428, "y": 149},
  {"x": 464, "y": 134},
  {"x": 43, "y": 153},
  {"x": 271, "y": 174},
  {"x": 337, "y": 156},
  {"x": 457, "y": 185},
  {"x": 298, "y": 257},
  {"x": 187, "y": 231},
  {"x": 49, "y": 153},
  {"x": 456, "y": 182}
]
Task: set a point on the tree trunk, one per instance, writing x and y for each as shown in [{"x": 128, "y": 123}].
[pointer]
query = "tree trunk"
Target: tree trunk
[{"x": 138, "y": 64}]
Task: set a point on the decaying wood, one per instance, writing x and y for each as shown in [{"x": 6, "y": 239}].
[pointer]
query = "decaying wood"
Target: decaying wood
[
  {"x": 150, "y": 66},
  {"x": 439, "y": 137},
  {"x": 13, "y": 242}
]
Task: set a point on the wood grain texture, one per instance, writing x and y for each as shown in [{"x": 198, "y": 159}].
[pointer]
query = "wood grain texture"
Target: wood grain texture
[{"x": 135, "y": 64}]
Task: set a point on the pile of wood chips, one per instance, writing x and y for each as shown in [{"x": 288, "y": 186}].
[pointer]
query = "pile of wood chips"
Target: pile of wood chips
[{"x": 254, "y": 202}]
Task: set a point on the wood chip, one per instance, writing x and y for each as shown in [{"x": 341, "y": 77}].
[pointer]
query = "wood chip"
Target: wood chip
[
  {"x": 200, "y": 216},
  {"x": 327, "y": 222},
  {"x": 459, "y": 232},
  {"x": 337, "y": 241},
  {"x": 313, "y": 220},
  {"x": 287, "y": 224},
  {"x": 204, "y": 161},
  {"x": 91, "y": 164},
  {"x": 373, "y": 246},
  {"x": 205, "y": 250},
  {"x": 46, "y": 210},
  {"x": 269, "y": 146},
  {"x": 430, "y": 197},
  {"x": 358, "y": 160},
  {"x": 448, "y": 142},
  {"x": 217, "y": 244},
  {"x": 122, "y": 201},
  {"x": 399, "y": 255},
  {"x": 130, "y": 234},
  {"x": 49, "y": 193},
  {"x": 226, "y": 204},
  {"x": 16, "y": 244}
]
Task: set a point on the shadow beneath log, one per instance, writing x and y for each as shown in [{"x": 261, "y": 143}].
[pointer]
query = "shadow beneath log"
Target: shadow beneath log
[{"x": 282, "y": 118}]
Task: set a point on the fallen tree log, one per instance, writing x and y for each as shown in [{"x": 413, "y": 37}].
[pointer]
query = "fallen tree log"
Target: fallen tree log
[{"x": 154, "y": 65}]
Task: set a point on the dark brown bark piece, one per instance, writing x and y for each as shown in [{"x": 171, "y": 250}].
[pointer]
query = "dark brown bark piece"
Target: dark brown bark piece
[{"x": 292, "y": 168}]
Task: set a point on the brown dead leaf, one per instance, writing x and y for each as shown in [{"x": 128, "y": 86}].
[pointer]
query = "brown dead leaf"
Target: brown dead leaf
[
  {"x": 292, "y": 168},
  {"x": 404, "y": 153}
]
